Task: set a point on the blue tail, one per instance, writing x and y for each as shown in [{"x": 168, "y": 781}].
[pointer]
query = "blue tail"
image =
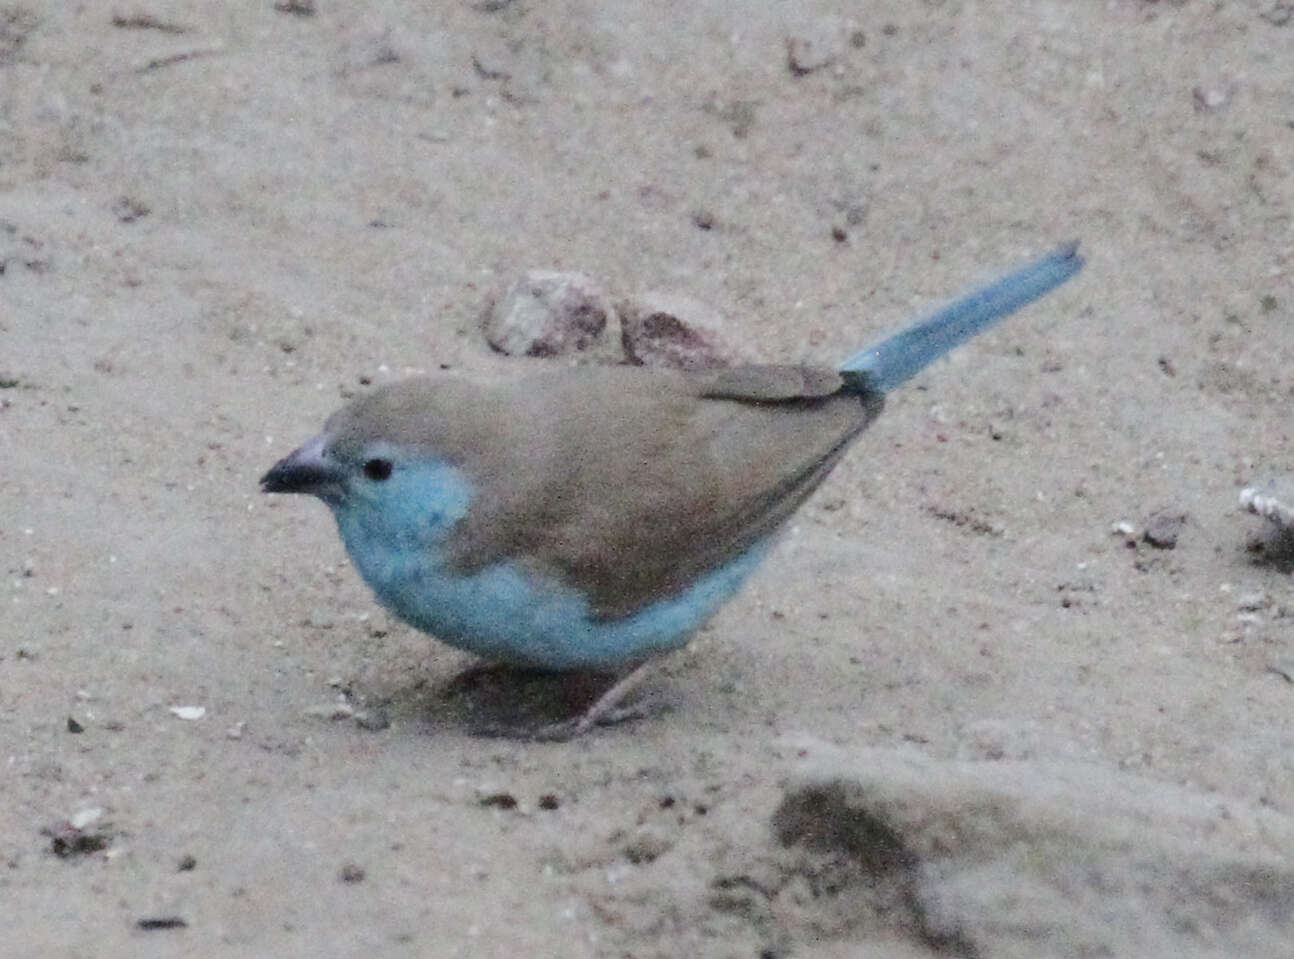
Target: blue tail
[{"x": 896, "y": 359}]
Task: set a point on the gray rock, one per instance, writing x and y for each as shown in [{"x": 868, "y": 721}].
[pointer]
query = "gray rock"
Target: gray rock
[
  {"x": 547, "y": 313},
  {"x": 1030, "y": 859},
  {"x": 669, "y": 330}
]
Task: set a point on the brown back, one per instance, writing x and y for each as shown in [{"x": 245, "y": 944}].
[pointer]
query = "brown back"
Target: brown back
[{"x": 624, "y": 482}]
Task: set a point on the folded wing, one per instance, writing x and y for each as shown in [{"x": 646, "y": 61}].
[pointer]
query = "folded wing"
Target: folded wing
[{"x": 629, "y": 483}]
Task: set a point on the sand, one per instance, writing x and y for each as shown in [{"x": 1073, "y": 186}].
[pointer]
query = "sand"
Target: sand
[{"x": 218, "y": 221}]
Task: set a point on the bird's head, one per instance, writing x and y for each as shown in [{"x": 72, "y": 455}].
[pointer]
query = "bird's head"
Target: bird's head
[{"x": 377, "y": 463}]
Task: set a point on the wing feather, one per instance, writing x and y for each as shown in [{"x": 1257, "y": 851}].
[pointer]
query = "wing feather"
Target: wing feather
[{"x": 629, "y": 483}]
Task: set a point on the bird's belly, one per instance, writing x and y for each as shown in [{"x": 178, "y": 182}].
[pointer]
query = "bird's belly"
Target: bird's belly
[{"x": 505, "y": 613}]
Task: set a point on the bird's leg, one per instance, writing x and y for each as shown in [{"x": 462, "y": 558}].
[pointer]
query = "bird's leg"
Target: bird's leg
[
  {"x": 520, "y": 692},
  {"x": 606, "y": 710}
]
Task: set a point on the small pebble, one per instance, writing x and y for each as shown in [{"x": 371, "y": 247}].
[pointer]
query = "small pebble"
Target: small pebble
[
  {"x": 373, "y": 720},
  {"x": 334, "y": 711},
  {"x": 647, "y": 845},
  {"x": 1253, "y": 601},
  {"x": 1274, "y": 501},
  {"x": 153, "y": 923},
  {"x": 69, "y": 839},
  {"x": 300, "y": 8},
  {"x": 1163, "y": 529},
  {"x": 351, "y": 873},
  {"x": 85, "y": 817},
  {"x": 128, "y": 210},
  {"x": 1209, "y": 99}
]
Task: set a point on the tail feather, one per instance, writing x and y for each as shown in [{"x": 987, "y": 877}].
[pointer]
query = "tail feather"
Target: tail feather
[{"x": 896, "y": 359}]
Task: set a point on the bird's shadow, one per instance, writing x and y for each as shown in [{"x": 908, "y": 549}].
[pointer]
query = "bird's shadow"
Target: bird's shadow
[{"x": 501, "y": 701}]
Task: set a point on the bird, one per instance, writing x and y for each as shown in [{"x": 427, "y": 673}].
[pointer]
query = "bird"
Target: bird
[{"x": 595, "y": 517}]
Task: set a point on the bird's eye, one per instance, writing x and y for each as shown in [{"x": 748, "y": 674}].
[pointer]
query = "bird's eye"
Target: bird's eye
[{"x": 378, "y": 469}]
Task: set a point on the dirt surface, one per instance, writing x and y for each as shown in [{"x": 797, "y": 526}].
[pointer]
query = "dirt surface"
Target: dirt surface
[{"x": 217, "y": 221}]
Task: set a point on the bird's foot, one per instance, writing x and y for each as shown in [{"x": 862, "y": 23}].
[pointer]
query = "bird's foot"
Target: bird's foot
[
  {"x": 608, "y": 709},
  {"x": 567, "y": 729}
]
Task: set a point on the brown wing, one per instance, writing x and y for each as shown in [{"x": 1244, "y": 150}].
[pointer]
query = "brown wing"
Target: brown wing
[{"x": 628, "y": 483}]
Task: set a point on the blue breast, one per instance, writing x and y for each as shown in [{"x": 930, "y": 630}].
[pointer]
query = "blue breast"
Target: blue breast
[{"x": 505, "y": 612}]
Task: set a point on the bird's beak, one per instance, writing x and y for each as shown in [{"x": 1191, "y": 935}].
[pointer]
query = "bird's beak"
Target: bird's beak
[{"x": 305, "y": 470}]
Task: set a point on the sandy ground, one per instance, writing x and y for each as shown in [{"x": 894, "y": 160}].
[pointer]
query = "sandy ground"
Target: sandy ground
[{"x": 219, "y": 220}]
